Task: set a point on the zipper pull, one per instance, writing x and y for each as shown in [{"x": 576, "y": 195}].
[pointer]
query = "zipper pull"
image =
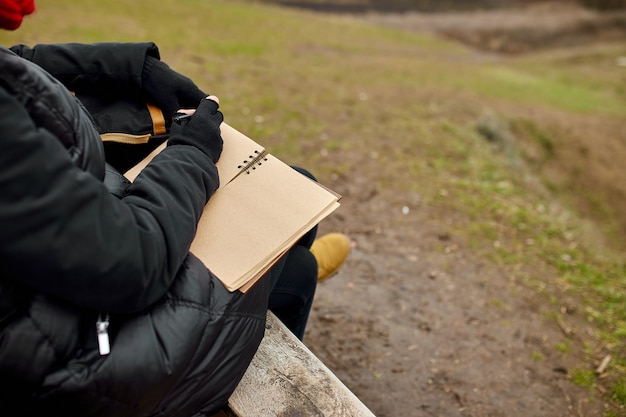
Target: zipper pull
[{"x": 104, "y": 346}]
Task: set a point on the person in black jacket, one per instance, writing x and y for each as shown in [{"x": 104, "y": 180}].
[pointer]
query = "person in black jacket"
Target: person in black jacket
[{"x": 103, "y": 310}]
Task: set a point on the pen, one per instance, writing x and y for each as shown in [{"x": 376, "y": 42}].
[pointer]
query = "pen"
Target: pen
[{"x": 181, "y": 117}]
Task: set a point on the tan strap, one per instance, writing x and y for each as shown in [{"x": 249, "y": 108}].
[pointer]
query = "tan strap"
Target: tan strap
[
  {"x": 158, "y": 120},
  {"x": 125, "y": 138}
]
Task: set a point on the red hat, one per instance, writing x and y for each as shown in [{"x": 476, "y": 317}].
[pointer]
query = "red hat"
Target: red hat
[{"x": 12, "y": 12}]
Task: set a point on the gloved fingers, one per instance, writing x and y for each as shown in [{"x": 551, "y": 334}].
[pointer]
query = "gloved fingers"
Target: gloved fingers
[
  {"x": 183, "y": 115},
  {"x": 210, "y": 105}
]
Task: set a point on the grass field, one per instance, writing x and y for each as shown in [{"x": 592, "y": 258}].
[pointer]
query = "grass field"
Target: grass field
[{"x": 338, "y": 95}]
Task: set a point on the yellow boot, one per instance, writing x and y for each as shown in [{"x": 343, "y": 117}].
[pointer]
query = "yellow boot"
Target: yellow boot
[{"x": 330, "y": 251}]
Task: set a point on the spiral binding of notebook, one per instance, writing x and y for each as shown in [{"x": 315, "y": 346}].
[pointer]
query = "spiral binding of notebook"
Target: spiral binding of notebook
[{"x": 251, "y": 164}]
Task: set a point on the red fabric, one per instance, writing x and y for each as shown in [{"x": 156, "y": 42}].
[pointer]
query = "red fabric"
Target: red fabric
[{"x": 13, "y": 11}]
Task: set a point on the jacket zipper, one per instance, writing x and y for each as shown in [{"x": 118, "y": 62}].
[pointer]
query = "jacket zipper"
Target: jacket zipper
[{"x": 102, "y": 325}]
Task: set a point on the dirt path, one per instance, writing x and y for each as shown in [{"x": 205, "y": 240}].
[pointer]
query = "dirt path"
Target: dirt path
[{"x": 417, "y": 332}]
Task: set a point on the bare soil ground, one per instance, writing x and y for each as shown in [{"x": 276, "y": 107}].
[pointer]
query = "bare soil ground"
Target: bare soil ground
[{"x": 415, "y": 330}]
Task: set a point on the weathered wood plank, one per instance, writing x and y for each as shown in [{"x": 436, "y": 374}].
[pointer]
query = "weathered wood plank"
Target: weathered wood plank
[{"x": 286, "y": 379}]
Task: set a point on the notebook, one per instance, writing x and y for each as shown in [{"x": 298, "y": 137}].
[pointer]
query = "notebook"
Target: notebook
[{"x": 261, "y": 209}]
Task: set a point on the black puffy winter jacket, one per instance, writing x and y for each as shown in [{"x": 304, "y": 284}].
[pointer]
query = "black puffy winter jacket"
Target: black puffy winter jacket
[{"x": 72, "y": 254}]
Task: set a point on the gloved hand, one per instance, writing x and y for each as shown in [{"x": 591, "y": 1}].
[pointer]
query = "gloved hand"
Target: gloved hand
[
  {"x": 202, "y": 130},
  {"x": 168, "y": 89}
]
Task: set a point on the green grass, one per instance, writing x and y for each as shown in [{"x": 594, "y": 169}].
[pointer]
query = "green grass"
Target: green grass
[
  {"x": 583, "y": 378},
  {"x": 316, "y": 88}
]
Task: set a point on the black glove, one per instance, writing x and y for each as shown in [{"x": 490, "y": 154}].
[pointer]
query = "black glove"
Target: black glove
[
  {"x": 202, "y": 130},
  {"x": 168, "y": 89}
]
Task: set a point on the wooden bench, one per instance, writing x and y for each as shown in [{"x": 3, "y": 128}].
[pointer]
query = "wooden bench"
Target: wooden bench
[{"x": 286, "y": 379}]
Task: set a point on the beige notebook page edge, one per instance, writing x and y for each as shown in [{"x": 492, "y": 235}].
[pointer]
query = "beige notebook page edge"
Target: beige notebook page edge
[
  {"x": 233, "y": 242},
  {"x": 245, "y": 287}
]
